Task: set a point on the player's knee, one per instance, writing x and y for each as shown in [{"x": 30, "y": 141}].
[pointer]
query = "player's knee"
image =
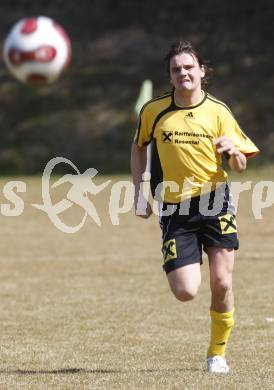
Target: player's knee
[
  {"x": 185, "y": 294},
  {"x": 221, "y": 286}
]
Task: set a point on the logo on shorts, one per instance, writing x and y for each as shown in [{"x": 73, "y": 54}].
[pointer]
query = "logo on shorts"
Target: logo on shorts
[
  {"x": 169, "y": 250},
  {"x": 228, "y": 224},
  {"x": 167, "y": 137}
]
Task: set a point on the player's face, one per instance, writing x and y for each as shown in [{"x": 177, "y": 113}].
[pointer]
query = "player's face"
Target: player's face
[{"x": 186, "y": 73}]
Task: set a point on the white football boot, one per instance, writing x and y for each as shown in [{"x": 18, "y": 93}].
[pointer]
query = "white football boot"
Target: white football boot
[{"x": 217, "y": 364}]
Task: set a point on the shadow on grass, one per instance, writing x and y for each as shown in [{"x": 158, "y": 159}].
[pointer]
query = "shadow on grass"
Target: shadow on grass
[
  {"x": 60, "y": 371},
  {"x": 91, "y": 371}
]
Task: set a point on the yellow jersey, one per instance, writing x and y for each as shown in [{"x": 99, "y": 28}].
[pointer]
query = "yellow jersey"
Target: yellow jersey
[{"x": 183, "y": 149}]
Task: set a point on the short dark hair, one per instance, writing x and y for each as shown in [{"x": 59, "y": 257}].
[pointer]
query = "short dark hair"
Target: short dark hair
[{"x": 183, "y": 46}]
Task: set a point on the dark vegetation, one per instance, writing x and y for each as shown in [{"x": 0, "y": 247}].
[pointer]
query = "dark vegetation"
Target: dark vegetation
[{"x": 88, "y": 115}]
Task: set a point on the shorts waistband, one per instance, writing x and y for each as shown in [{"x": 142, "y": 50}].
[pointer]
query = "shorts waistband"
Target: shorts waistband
[{"x": 208, "y": 201}]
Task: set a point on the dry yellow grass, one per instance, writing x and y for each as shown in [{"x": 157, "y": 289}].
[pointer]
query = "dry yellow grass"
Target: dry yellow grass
[{"x": 92, "y": 310}]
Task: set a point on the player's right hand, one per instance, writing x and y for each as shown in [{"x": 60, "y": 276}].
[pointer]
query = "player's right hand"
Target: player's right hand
[{"x": 144, "y": 212}]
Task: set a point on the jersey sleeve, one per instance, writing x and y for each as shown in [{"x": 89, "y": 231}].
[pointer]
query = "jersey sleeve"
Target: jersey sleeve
[
  {"x": 144, "y": 130},
  {"x": 232, "y": 130}
]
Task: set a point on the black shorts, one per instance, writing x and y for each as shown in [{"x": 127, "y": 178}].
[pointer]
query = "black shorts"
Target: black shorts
[{"x": 185, "y": 234}]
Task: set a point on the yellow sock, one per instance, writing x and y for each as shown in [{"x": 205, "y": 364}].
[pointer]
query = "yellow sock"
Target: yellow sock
[{"x": 221, "y": 325}]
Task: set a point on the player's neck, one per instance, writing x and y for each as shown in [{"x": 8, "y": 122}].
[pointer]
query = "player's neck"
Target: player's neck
[{"x": 188, "y": 98}]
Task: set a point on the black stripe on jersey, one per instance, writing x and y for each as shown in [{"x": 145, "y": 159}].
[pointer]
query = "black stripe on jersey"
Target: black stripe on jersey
[
  {"x": 156, "y": 168},
  {"x": 170, "y": 108},
  {"x": 165, "y": 95},
  {"x": 213, "y": 99},
  {"x": 224, "y": 105}
]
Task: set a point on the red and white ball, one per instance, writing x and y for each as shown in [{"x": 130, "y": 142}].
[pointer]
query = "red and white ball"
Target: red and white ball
[{"x": 37, "y": 50}]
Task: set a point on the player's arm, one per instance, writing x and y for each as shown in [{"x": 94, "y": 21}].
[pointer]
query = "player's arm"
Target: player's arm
[
  {"x": 236, "y": 159},
  {"x": 138, "y": 166}
]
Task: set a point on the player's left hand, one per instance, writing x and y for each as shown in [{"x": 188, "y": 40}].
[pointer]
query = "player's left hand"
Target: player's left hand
[{"x": 225, "y": 145}]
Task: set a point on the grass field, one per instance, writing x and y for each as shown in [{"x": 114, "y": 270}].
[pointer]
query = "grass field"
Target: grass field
[{"x": 92, "y": 310}]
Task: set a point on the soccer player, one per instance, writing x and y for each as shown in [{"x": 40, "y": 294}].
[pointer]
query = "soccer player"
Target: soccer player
[{"x": 191, "y": 131}]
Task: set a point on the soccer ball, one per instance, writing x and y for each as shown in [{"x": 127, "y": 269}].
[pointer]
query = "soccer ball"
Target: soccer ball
[{"x": 37, "y": 50}]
